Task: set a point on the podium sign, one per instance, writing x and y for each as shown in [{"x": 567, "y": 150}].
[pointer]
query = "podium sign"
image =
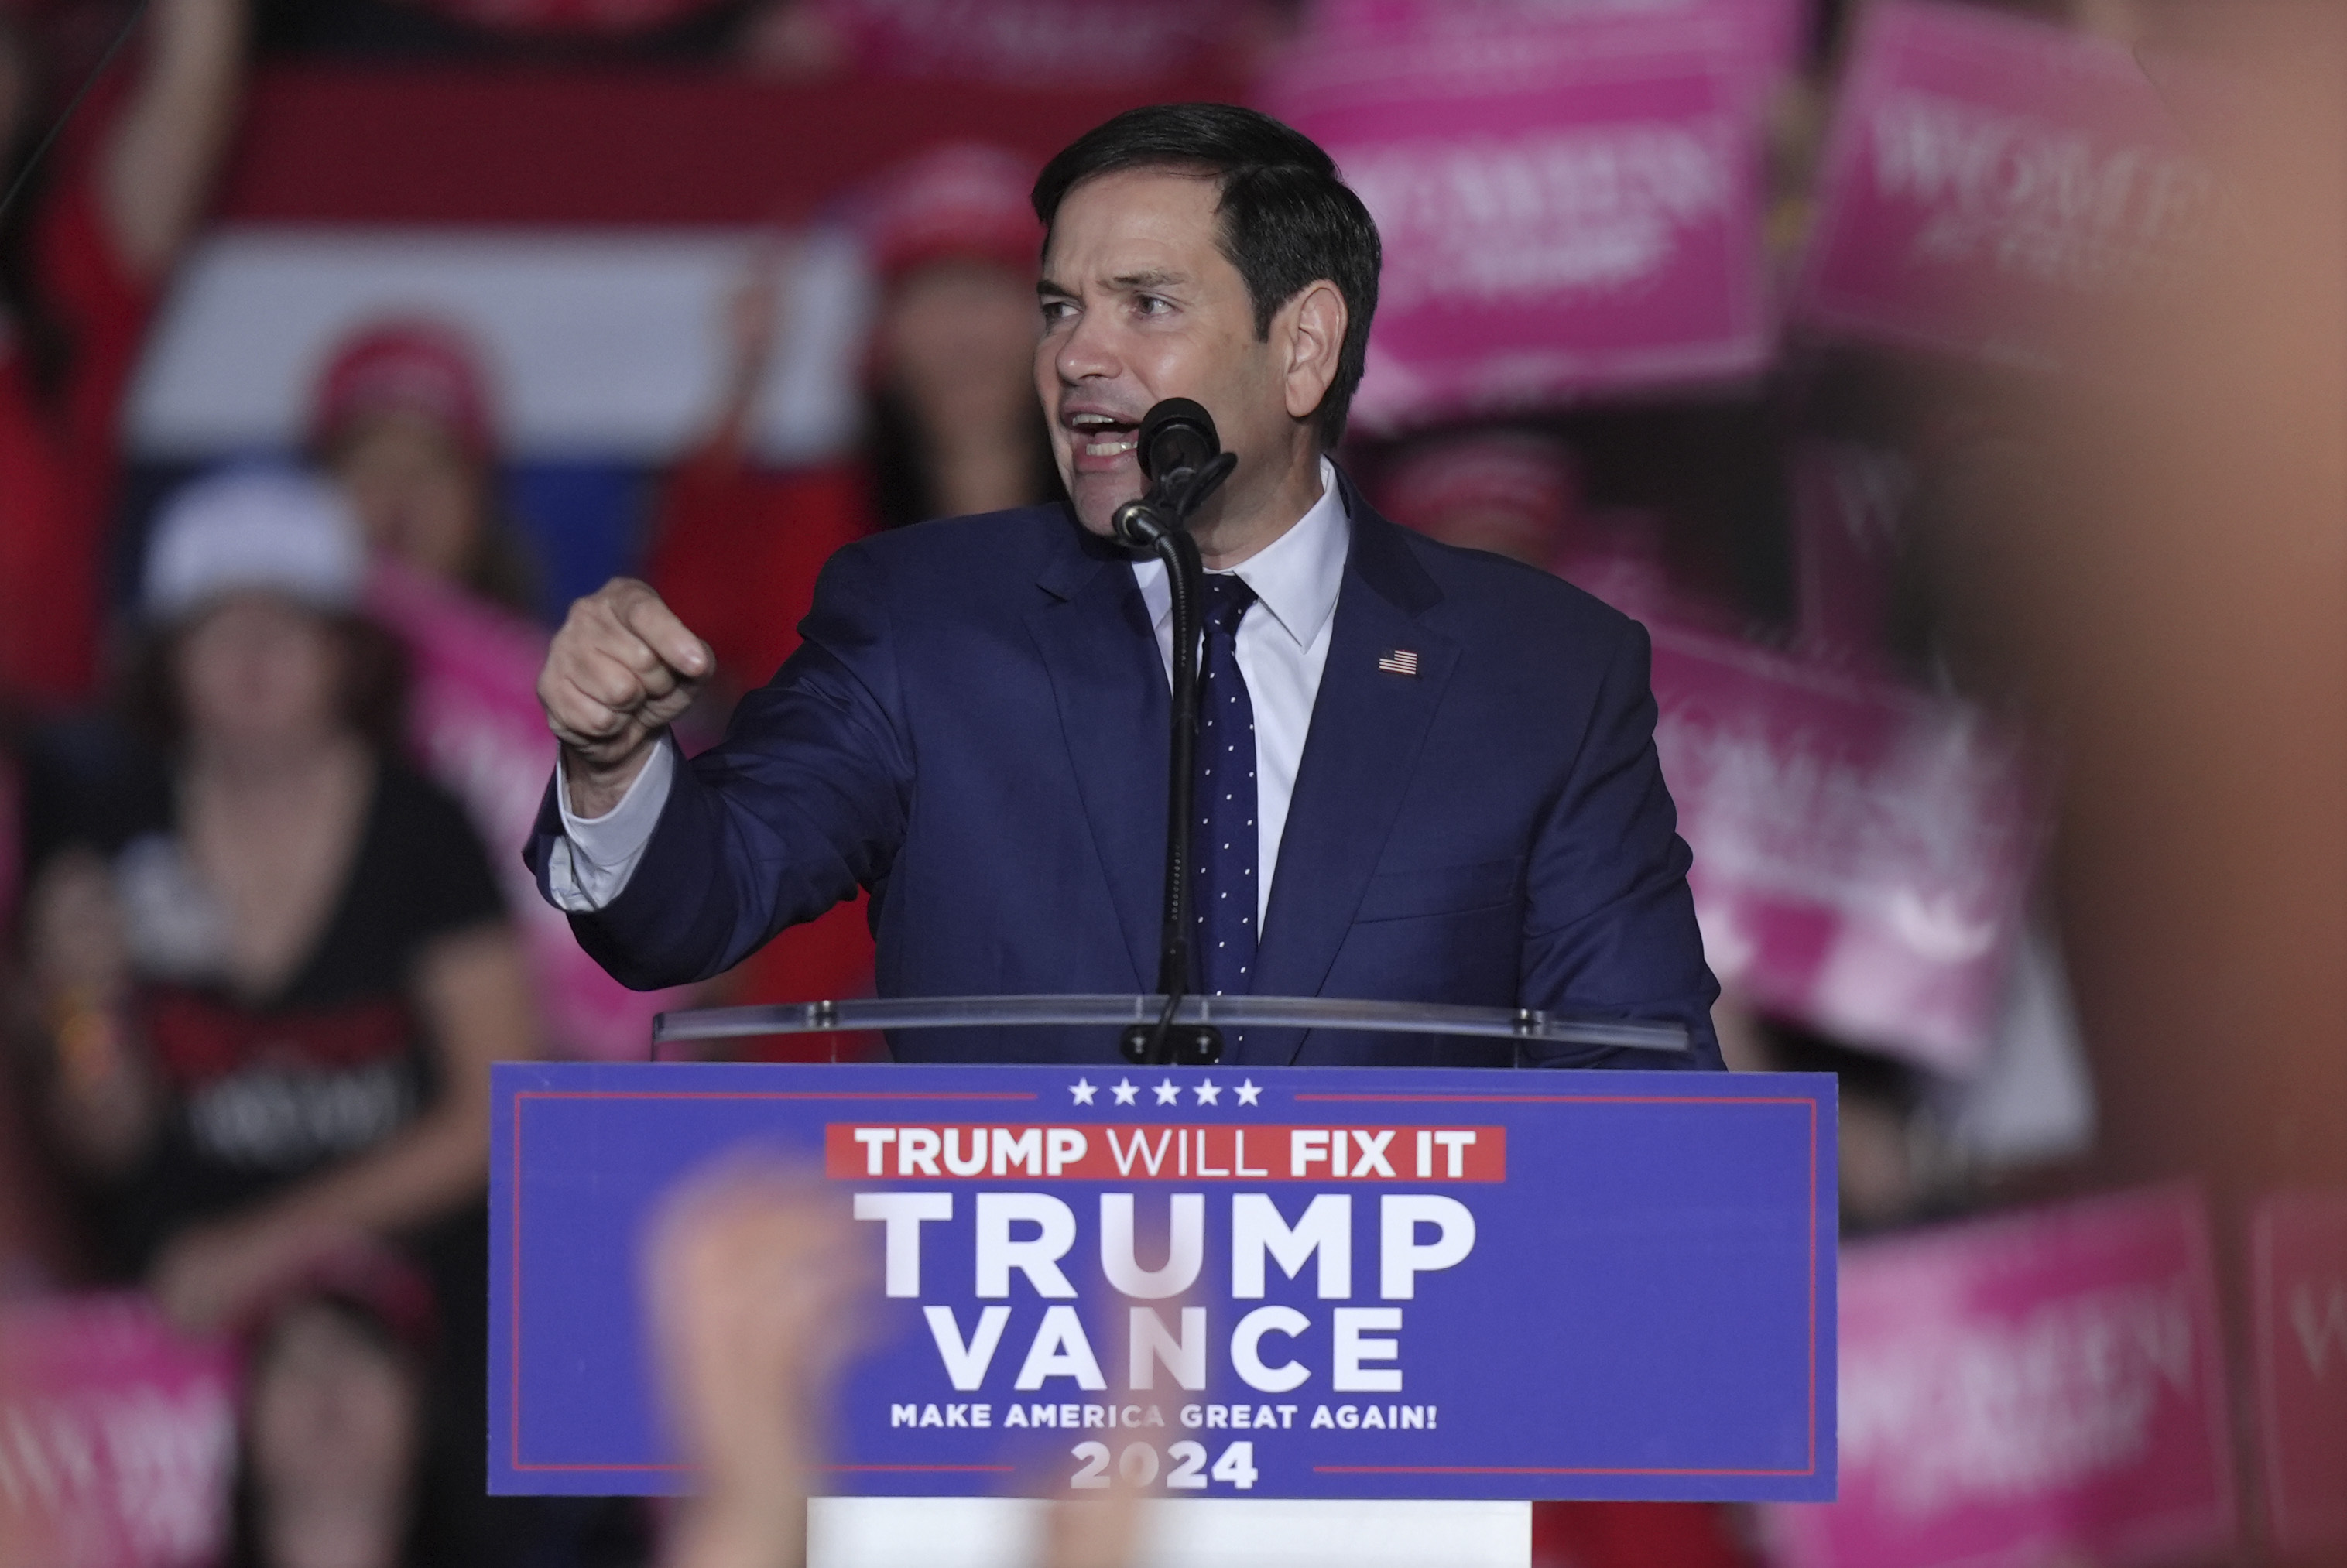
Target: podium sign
[{"x": 1301, "y": 1283}]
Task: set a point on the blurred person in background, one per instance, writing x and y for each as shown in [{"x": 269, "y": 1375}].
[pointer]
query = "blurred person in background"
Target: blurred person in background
[
  {"x": 274, "y": 973},
  {"x": 952, "y": 427},
  {"x": 1515, "y": 493},
  {"x": 403, "y": 419},
  {"x": 952, "y": 424},
  {"x": 85, "y": 246},
  {"x": 1519, "y": 493},
  {"x": 955, "y": 425},
  {"x": 273, "y": 994},
  {"x": 332, "y": 1472}
]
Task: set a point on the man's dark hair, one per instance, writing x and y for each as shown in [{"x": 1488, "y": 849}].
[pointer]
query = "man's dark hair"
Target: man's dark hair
[{"x": 1286, "y": 220}]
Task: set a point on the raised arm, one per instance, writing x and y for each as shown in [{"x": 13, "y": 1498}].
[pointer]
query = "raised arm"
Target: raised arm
[
  {"x": 803, "y": 802},
  {"x": 159, "y": 162}
]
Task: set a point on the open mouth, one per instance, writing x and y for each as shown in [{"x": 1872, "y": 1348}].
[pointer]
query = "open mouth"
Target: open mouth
[{"x": 1104, "y": 436}]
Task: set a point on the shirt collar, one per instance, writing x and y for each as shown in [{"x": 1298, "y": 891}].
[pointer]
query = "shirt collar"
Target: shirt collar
[{"x": 1297, "y": 577}]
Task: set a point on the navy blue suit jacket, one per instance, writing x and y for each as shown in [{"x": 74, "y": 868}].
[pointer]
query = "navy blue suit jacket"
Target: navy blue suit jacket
[{"x": 975, "y": 728}]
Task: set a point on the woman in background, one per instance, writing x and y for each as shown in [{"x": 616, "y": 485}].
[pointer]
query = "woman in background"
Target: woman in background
[
  {"x": 952, "y": 424},
  {"x": 403, "y": 419},
  {"x": 334, "y": 1470},
  {"x": 275, "y": 991}
]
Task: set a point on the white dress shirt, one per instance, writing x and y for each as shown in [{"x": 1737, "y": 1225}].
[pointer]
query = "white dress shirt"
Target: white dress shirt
[
  {"x": 1283, "y": 645},
  {"x": 1281, "y": 653}
]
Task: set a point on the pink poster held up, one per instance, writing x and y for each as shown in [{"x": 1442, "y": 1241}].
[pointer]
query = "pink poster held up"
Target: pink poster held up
[
  {"x": 1862, "y": 852},
  {"x": 1988, "y": 182},
  {"x": 475, "y": 724},
  {"x": 1569, "y": 204},
  {"x": 116, "y": 1437},
  {"x": 2298, "y": 1250},
  {"x": 2043, "y": 1387}
]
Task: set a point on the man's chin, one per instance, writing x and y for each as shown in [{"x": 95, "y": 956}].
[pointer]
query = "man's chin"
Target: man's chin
[{"x": 1095, "y": 506}]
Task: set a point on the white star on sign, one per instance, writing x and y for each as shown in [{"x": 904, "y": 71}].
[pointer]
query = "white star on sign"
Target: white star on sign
[
  {"x": 1169, "y": 1093},
  {"x": 1248, "y": 1093},
  {"x": 1124, "y": 1090},
  {"x": 1083, "y": 1090},
  {"x": 1208, "y": 1092}
]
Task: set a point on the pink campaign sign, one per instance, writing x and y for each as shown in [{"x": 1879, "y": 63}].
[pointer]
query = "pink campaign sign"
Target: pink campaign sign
[
  {"x": 2043, "y": 1387},
  {"x": 117, "y": 1437},
  {"x": 476, "y": 726},
  {"x": 1986, "y": 180},
  {"x": 1862, "y": 852},
  {"x": 1568, "y": 205},
  {"x": 2297, "y": 1252}
]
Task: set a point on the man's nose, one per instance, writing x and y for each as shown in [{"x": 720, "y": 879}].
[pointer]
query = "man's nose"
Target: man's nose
[{"x": 1087, "y": 350}]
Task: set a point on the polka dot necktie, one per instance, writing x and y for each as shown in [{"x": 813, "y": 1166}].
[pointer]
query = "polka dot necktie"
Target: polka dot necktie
[{"x": 1225, "y": 843}]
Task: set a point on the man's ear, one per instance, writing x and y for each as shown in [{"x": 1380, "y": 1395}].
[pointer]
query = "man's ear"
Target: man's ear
[{"x": 1315, "y": 338}]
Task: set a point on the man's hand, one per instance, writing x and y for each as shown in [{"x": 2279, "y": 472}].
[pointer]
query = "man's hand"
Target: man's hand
[{"x": 620, "y": 669}]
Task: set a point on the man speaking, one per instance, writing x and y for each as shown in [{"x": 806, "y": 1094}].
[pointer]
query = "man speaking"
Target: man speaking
[{"x": 1424, "y": 773}]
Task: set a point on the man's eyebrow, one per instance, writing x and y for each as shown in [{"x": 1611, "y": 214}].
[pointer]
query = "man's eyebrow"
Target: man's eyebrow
[{"x": 1149, "y": 278}]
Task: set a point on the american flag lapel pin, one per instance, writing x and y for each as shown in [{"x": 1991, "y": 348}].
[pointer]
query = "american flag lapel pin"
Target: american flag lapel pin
[{"x": 1399, "y": 661}]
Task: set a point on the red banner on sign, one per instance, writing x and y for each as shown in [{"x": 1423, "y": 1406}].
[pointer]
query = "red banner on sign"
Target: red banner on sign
[{"x": 1162, "y": 1153}]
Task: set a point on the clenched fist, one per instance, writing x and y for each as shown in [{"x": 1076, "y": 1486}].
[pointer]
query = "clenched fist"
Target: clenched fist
[{"x": 620, "y": 669}]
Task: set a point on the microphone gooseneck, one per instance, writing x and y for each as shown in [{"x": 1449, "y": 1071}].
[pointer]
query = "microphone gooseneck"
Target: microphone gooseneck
[{"x": 1182, "y": 456}]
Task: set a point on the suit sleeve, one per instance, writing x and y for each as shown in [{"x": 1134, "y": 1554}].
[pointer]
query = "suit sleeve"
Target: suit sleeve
[
  {"x": 803, "y": 802},
  {"x": 1610, "y": 928}
]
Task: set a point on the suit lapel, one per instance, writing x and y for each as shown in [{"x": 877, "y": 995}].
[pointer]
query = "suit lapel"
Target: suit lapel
[
  {"x": 1110, "y": 683},
  {"x": 1367, "y": 727}
]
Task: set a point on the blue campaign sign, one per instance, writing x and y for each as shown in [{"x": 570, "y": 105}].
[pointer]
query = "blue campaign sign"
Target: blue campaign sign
[{"x": 1288, "y": 1282}]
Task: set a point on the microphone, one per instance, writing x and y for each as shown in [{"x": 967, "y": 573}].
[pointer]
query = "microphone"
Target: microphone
[
  {"x": 1182, "y": 458},
  {"x": 1176, "y": 434}
]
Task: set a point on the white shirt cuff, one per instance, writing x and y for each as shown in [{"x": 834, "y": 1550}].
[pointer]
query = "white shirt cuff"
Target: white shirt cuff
[{"x": 590, "y": 864}]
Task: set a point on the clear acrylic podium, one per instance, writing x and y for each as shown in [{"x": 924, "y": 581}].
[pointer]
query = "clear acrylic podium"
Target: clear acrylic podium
[{"x": 1521, "y": 1026}]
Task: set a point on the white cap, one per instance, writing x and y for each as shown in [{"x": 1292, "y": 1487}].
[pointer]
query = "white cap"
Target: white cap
[{"x": 269, "y": 528}]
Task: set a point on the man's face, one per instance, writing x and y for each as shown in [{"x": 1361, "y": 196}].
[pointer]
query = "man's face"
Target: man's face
[{"x": 1139, "y": 304}]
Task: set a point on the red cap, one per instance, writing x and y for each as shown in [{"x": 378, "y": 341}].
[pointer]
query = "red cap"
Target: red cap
[
  {"x": 412, "y": 366},
  {"x": 960, "y": 200}
]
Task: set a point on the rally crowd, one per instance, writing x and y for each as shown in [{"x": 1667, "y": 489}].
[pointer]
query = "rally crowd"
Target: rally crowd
[{"x": 268, "y": 753}]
